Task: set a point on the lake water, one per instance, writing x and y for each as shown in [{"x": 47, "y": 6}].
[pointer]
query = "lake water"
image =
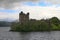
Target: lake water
[{"x": 6, "y": 35}]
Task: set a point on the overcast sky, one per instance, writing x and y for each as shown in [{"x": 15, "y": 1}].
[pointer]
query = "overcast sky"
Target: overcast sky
[{"x": 37, "y": 8}]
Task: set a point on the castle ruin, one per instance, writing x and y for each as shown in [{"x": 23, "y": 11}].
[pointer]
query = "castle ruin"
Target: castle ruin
[{"x": 23, "y": 17}]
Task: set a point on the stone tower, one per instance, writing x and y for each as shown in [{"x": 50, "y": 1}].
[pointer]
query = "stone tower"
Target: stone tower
[{"x": 23, "y": 18}]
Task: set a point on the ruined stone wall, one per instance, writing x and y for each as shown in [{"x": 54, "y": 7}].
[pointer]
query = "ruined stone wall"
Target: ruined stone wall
[{"x": 23, "y": 17}]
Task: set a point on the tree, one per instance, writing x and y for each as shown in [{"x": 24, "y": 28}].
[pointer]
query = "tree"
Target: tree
[{"x": 55, "y": 21}]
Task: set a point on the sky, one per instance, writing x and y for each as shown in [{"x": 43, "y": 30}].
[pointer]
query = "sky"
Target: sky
[{"x": 38, "y": 9}]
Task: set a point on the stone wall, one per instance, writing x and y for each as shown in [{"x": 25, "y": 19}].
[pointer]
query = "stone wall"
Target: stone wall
[{"x": 23, "y": 17}]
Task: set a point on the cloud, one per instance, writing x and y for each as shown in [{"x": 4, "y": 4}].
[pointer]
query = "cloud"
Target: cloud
[
  {"x": 4, "y": 15},
  {"x": 12, "y": 3},
  {"x": 54, "y": 2},
  {"x": 38, "y": 12},
  {"x": 9, "y": 4}
]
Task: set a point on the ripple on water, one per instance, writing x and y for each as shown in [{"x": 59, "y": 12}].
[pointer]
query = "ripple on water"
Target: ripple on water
[{"x": 6, "y": 35}]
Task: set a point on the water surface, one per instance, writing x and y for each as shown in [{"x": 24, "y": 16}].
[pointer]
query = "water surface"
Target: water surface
[{"x": 5, "y": 34}]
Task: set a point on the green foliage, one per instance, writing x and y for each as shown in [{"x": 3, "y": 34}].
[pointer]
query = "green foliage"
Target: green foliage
[
  {"x": 38, "y": 25},
  {"x": 55, "y": 21},
  {"x": 44, "y": 26}
]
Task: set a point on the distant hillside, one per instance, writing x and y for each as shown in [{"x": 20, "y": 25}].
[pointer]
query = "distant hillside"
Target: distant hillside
[
  {"x": 4, "y": 23},
  {"x": 8, "y": 19}
]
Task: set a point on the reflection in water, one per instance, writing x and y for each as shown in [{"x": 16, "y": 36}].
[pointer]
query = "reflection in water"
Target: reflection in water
[
  {"x": 39, "y": 36},
  {"x": 6, "y": 35},
  {"x": 25, "y": 35}
]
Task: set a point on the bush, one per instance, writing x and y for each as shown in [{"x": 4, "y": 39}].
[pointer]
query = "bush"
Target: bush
[{"x": 39, "y": 25}]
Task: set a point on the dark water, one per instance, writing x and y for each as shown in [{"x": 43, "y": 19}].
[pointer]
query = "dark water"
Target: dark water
[{"x": 6, "y": 35}]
